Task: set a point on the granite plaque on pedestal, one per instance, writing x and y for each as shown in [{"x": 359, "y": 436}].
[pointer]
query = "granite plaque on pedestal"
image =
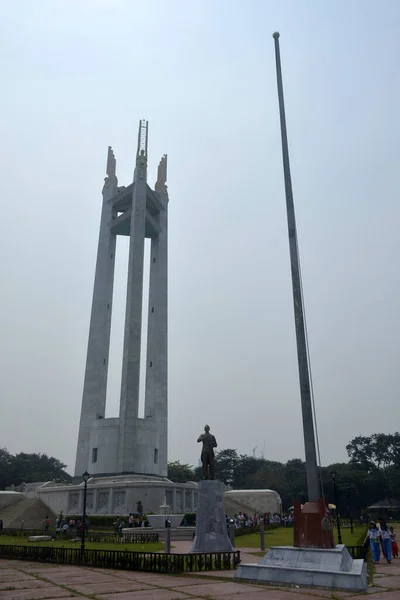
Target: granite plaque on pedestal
[{"x": 211, "y": 534}]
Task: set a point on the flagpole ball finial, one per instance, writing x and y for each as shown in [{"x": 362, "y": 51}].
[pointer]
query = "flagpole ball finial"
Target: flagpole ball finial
[{"x": 275, "y": 35}]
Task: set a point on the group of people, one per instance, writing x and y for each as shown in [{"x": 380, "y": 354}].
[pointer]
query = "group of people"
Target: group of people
[
  {"x": 133, "y": 521},
  {"x": 245, "y": 520},
  {"x": 138, "y": 520},
  {"x": 380, "y": 536},
  {"x": 287, "y": 520},
  {"x": 66, "y": 527}
]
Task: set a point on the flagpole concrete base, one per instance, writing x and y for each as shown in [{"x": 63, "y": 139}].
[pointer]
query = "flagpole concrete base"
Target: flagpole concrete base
[{"x": 332, "y": 568}]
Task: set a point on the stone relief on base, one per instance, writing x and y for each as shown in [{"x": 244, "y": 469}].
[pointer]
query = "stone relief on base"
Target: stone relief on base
[
  {"x": 103, "y": 501},
  {"x": 73, "y": 502},
  {"x": 119, "y": 500}
]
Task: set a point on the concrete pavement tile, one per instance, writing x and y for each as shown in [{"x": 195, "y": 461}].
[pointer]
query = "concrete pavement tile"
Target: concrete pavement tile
[
  {"x": 110, "y": 588},
  {"x": 168, "y": 581},
  {"x": 220, "y": 588},
  {"x": 17, "y": 584},
  {"x": 54, "y": 574},
  {"x": 8, "y": 572},
  {"x": 261, "y": 594},
  {"x": 41, "y": 568},
  {"x": 393, "y": 595},
  {"x": 16, "y": 577},
  {"x": 82, "y": 578},
  {"x": 389, "y": 582},
  {"x": 150, "y": 579},
  {"x": 38, "y": 594},
  {"x": 173, "y": 581},
  {"x": 385, "y": 569},
  {"x": 318, "y": 592},
  {"x": 223, "y": 574},
  {"x": 9, "y": 564},
  {"x": 156, "y": 594},
  {"x": 128, "y": 575},
  {"x": 109, "y": 571}
]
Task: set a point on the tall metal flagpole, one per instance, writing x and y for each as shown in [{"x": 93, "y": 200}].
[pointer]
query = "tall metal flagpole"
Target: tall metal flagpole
[{"x": 314, "y": 492}]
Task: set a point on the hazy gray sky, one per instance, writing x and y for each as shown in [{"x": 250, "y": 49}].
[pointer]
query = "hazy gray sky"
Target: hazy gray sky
[{"x": 77, "y": 75}]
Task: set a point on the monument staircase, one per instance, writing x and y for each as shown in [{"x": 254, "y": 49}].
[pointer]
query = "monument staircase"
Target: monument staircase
[
  {"x": 233, "y": 507},
  {"x": 30, "y": 511}
]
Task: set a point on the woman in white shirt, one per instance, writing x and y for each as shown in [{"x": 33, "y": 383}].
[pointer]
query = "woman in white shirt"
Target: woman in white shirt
[
  {"x": 373, "y": 537},
  {"x": 386, "y": 540}
]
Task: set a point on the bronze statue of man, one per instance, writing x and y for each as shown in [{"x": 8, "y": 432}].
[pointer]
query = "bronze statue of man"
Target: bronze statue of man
[{"x": 207, "y": 452}]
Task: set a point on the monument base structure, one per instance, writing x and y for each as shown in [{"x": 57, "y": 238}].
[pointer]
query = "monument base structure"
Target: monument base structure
[
  {"x": 119, "y": 495},
  {"x": 312, "y": 525},
  {"x": 252, "y": 502},
  {"x": 314, "y": 560},
  {"x": 211, "y": 534},
  {"x": 331, "y": 568}
]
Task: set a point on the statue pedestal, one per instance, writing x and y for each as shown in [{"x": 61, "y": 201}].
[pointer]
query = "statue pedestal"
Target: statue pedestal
[{"x": 211, "y": 533}]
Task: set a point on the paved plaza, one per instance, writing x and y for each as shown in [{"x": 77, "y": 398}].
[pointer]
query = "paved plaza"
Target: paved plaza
[{"x": 21, "y": 580}]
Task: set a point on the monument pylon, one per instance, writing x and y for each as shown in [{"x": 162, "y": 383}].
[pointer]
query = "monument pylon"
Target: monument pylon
[
  {"x": 128, "y": 444},
  {"x": 127, "y": 456}
]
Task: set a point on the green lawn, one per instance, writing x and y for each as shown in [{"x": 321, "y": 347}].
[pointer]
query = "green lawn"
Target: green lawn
[
  {"x": 283, "y": 536},
  {"x": 62, "y": 543}
]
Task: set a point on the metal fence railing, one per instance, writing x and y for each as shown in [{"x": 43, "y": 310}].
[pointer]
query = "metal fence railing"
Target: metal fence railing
[{"x": 116, "y": 559}]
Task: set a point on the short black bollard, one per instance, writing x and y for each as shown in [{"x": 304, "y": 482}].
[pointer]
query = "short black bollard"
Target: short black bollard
[
  {"x": 262, "y": 536},
  {"x": 167, "y": 536},
  {"x": 232, "y": 531}
]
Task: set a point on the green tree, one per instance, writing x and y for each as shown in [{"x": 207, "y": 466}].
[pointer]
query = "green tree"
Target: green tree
[
  {"x": 226, "y": 463},
  {"x": 360, "y": 451},
  {"x": 294, "y": 482},
  {"x": 247, "y": 467},
  {"x": 268, "y": 476},
  {"x": 356, "y": 486},
  {"x": 27, "y": 468},
  {"x": 6, "y": 468},
  {"x": 377, "y": 451},
  {"x": 39, "y": 467},
  {"x": 180, "y": 473}
]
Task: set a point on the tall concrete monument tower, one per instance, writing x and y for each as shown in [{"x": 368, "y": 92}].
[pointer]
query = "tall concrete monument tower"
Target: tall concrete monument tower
[{"x": 128, "y": 444}]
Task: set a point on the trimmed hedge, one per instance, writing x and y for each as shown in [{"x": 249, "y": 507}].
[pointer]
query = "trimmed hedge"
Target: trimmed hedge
[
  {"x": 190, "y": 519},
  {"x": 102, "y": 521}
]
